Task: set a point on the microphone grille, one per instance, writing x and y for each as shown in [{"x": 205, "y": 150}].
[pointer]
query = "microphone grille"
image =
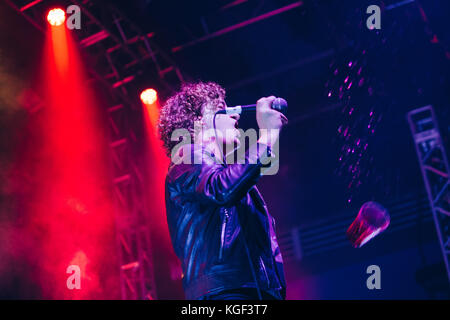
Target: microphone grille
[{"x": 280, "y": 104}]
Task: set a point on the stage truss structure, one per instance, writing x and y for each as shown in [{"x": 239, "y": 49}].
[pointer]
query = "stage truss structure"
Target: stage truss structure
[
  {"x": 435, "y": 171},
  {"x": 120, "y": 52}
]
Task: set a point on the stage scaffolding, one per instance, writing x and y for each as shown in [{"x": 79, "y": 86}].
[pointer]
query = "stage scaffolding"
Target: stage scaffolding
[
  {"x": 119, "y": 53},
  {"x": 435, "y": 171}
]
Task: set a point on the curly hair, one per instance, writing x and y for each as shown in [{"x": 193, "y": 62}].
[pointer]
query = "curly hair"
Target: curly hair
[{"x": 184, "y": 107}]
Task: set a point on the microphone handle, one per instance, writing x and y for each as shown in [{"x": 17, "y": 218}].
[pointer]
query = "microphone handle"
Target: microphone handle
[
  {"x": 278, "y": 104},
  {"x": 241, "y": 109}
]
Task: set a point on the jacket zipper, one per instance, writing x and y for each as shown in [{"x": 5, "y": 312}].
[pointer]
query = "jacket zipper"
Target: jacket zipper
[
  {"x": 222, "y": 234},
  {"x": 265, "y": 272}
]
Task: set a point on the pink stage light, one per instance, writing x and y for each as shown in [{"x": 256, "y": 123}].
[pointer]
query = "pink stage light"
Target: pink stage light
[
  {"x": 149, "y": 96},
  {"x": 56, "y": 17}
]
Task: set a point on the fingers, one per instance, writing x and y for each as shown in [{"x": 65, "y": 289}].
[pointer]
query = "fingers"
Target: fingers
[
  {"x": 265, "y": 103},
  {"x": 284, "y": 120},
  {"x": 269, "y": 99}
]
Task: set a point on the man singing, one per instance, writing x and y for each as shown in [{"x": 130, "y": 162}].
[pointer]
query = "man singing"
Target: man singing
[{"x": 218, "y": 221}]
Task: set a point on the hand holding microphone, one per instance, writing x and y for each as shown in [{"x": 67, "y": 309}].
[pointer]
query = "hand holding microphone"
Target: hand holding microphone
[
  {"x": 270, "y": 116},
  {"x": 268, "y": 113},
  {"x": 270, "y": 121}
]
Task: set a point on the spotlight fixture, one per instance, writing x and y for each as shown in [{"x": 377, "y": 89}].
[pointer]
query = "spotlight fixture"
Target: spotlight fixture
[
  {"x": 149, "y": 96},
  {"x": 56, "y": 17}
]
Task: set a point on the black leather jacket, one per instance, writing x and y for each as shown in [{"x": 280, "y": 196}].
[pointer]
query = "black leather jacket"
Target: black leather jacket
[{"x": 210, "y": 207}]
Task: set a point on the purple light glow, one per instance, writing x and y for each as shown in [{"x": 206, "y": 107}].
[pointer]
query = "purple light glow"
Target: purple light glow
[
  {"x": 371, "y": 220},
  {"x": 361, "y": 82}
]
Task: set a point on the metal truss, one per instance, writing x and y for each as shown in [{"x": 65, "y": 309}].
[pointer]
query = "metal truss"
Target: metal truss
[
  {"x": 120, "y": 53},
  {"x": 253, "y": 7},
  {"x": 132, "y": 229},
  {"x": 119, "y": 50},
  {"x": 435, "y": 171}
]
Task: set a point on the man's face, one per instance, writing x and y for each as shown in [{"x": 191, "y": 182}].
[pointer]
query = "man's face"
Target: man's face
[{"x": 226, "y": 124}]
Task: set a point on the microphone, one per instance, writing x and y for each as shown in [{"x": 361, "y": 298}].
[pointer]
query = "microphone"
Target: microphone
[{"x": 278, "y": 104}]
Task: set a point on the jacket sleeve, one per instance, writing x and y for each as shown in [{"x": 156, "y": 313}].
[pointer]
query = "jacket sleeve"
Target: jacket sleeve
[{"x": 214, "y": 183}]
